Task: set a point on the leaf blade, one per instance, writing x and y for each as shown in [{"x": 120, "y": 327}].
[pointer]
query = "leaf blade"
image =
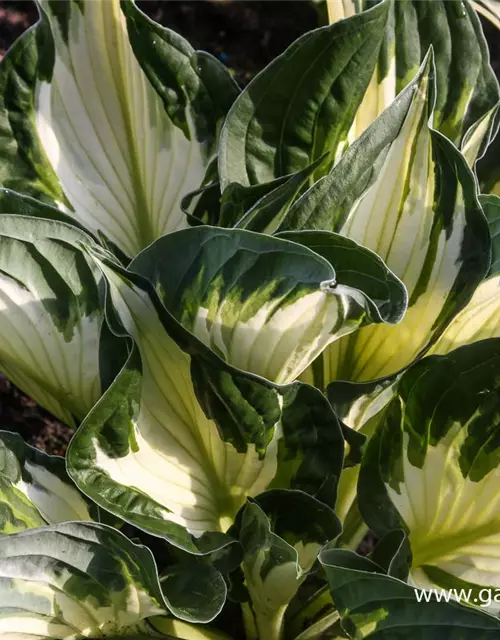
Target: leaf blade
[
  {"x": 51, "y": 323},
  {"x": 451, "y": 445},
  {"x": 181, "y": 438},
  {"x": 35, "y": 484},
  {"x": 274, "y": 102},
  {"x": 374, "y": 605},
  {"x": 83, "y": 578}
]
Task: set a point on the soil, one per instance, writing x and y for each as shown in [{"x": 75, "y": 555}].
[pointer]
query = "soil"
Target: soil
[{"x": 245, "y": 36}]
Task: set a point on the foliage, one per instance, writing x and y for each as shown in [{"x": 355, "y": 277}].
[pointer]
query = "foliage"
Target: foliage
[{"x": 272, "y": 316}]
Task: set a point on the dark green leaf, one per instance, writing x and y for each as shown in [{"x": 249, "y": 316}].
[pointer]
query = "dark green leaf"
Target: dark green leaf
[
  {"x": 303, "y": 104},
  {"x": 491, "y": 208},
  {"x": 375, "y": 605}
]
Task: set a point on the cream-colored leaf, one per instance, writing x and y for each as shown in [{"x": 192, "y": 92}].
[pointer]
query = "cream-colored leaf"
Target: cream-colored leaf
[
  {"x": 179, "y": 459},
  {"x": 123, "y": 164},
  {"x": 478, "y": 321}
]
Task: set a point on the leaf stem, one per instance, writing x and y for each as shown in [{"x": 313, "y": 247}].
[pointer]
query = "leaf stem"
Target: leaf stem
[
  {"x": 262, "y": 622},
  {"x": 251, "y": 632},
  {"x": 354, "y": 530},
  {"x": 271, "y": 627},
  {"x": 316, "y": 630},
  {"x": 335, "y": 10},
  {"x": 172, "y": 627},
  {"x": 346, "y": 492},
  {"x": 314, "y": 617}
]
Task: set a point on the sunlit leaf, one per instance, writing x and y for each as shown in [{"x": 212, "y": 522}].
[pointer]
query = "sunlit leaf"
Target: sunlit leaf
[
  {"x": 34, "y": 488},
  {"x": 51, "y": 316},
  {"x": 182, "y": 438},
  {"x": 113, "y": 131},
  {"x": 419, "y": 211}
]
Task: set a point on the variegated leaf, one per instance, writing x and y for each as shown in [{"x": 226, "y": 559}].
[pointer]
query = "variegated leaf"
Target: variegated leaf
[
  {"x": 433, "y": 468},
  {"x": 35, "y": 488},
  {"x": 420, "y": 213},
  {"x": 302, "y": 105},
  {"x": 17, "y": 512},
  {"x": 51, "y": 316},
  {"x": 270, "y": 306},
  {"x": 181, "y": 438},
  {"x": 467, "y": 90},
  {"x": 377, "y": 606},
  {"x": 479, "y": 320},
  {"x": 113, "y": 138},
  {"x": 279, "y": 550},
  {"x": 76, "y": 580}
]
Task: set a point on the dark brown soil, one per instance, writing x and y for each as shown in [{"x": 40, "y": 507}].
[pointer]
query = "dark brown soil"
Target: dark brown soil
[
  {"x": 19, "y": 413},
  {"x": 245, "y": 36},
  {"x": 15, "y": 17}
]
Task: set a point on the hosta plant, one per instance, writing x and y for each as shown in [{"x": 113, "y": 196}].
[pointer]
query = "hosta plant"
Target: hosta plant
[{"x": 270, "y": 315}]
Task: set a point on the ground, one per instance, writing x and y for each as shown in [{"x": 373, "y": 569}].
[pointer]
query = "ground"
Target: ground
[{"x": 245, "y": 36}]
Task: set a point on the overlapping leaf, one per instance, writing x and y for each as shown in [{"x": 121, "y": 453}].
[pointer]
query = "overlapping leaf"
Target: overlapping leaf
[
  {"x": 375, "y": 605},
  {"x": 479, "y": 320},
  {"x": 303, "y": 104},
  {"x": 270, "y": 306},
  {"x": 419, "y": 211},
  {"x": 467, "y": 90},
  {"x": 279, "y": 550},
  {"x": 181, "y": 438}
]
